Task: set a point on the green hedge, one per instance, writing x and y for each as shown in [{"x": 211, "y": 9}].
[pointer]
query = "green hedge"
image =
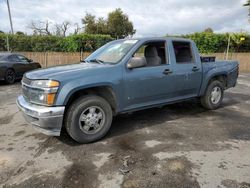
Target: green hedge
[
  {"x": 206, "y": 42},
  {"x": 212, "y": 42},
  {"x": 72, "y": 43}
]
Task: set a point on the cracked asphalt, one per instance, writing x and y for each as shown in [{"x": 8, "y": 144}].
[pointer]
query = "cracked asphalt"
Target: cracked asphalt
[{"x": 180, "y": 145}]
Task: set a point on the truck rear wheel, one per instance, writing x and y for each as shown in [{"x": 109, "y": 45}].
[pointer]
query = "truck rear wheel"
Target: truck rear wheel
[
  {"x": 213, "y": 95},
  {"x": 88, "y": 119}
]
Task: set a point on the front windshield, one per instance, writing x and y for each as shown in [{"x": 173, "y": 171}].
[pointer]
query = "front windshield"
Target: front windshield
[{"x": 112, "y": 52}]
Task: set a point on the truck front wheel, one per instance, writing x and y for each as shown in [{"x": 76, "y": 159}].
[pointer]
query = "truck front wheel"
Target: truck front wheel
[
  {"x": 88, "y": 119},
  {"x": 213, "y": 95}
]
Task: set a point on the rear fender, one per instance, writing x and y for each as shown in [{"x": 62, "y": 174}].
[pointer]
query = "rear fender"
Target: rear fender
[{"x": 210, "y": 76}]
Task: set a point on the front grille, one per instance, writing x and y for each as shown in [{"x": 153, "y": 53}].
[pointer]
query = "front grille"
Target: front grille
[
  {"x": 26, "y": 93},
  {"x": 26, "y": 80}
]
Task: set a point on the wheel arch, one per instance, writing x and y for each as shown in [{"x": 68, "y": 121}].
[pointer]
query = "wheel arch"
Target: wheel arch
[
  {"x": 10, "y": 68},
  {"x": 222, "y": 77},
  {"x": 105, "y": 92}
]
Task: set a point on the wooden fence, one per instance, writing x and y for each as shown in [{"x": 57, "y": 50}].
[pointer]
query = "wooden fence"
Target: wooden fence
[
  {"x": 48, "y": 59},
  {"x": 243, "y": 58}
]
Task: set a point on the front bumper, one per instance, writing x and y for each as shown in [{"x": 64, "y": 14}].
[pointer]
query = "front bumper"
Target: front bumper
[{"x": 47, "y": 120}]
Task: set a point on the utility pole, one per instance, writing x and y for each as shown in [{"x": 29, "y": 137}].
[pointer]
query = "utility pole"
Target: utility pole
[
  {"x": 8, "y": 44},
  {"x": 228, "y": 46},
  {"x": 11, "y": 25}
]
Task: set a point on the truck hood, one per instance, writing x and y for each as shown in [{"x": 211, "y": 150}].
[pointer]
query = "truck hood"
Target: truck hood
[{"x": 61, "y": 72}]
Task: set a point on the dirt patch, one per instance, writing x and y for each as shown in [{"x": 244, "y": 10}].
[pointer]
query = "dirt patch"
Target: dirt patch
[
  {"x": 235, "y": 184},
  {"x": 43, "y": 146},
  {"x": 9, "y": 149},
  {"x": 176, "y": 136},
  {"x": 19, "y": 133},
  {"x": 240, "y": 134},
  {"x": 80, "y": 175},
  {"x": 30, "y": 163},
  {"x": 37, "y": 181},
  {"x": 38, "y": 136},
  {"x": 6, "y": 119},
  {"x": 31, "y": 148},
  {"x": 127, "y": 143}
]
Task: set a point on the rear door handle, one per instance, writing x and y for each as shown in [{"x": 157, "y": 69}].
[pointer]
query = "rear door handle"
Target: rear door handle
[
  {"x": 167, "y": 71},
  {"x": 195, "y": 69}
]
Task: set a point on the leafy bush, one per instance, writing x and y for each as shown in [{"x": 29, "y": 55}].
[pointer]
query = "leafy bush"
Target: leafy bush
[
  {"x": 37, "y": 43},
  {"x": 208, "y": 42}
]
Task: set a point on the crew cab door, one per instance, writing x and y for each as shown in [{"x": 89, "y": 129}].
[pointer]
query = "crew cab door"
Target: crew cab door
[
  {"x": 187, "y": 67},
  {"x": 153, "y": 83}
]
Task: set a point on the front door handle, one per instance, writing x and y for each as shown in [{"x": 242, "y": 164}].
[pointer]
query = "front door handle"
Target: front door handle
[
  {"x": 195, "y": 69},
  {"x": 167, "y": 71}
]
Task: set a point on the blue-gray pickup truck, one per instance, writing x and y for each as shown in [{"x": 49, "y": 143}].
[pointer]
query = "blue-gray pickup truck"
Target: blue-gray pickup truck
[{"x": 122, "y": 76}]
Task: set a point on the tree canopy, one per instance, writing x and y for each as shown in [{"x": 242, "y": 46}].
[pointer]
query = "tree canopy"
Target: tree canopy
[
  {"x": 247, "y": 4},
  {"x": 209, "y": 30},
  {"x": 117, "y": 25}
]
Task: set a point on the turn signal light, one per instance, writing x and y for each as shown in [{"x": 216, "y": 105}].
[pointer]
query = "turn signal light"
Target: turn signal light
[{"x": 50, "y": 98}]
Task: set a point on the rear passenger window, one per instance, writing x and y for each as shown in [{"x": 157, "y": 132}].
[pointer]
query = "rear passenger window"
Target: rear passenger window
[{"x": 183, "y": 52}]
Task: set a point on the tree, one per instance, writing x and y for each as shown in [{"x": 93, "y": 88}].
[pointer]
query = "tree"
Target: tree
[
  {"x": 94, "y": 26},
  {"x": 41, "y": 28},
  {"x": 208, "y": 30},
  {"x": 247, "y": 4},
  {"x": 238, "y": 39},
  {"x": 77, "y": 28},
  {"x": 101, "y": 26},
  {"x": 20, "y": 33},
  {"x": 119, "y": 25},
  {"x": 61, "y": 29},
  {"x": 47, "y": 28},
  {"x": 89, "y": 23}
]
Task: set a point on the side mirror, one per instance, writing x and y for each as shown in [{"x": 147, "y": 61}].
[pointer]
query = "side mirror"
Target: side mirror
[
  {"x": 30, "y": 60},
  {"x": 136, "y": 62}
]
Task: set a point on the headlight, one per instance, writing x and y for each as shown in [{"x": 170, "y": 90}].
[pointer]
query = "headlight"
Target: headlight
[
  {"x": 44, "y": 83},
  {"x": 40, "y": 97},
  {"x": 43, "y": 91}
]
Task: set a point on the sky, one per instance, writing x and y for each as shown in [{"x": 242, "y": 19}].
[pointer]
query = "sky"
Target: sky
[{"x": 150, "y": 17}]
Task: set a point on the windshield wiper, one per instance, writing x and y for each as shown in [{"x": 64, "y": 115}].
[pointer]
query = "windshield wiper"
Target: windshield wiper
[
  {"x": 84, "y": 61},
  {"x": 96, "y": 61}
]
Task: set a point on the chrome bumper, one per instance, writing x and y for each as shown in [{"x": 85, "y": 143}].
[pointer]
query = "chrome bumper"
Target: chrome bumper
[{"x": 47, "y": 120}]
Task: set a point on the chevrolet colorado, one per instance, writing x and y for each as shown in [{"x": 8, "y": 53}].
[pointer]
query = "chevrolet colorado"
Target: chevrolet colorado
[{"x": 122, "y": 76}]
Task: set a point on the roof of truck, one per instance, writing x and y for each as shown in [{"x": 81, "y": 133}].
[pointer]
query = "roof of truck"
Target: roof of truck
[{"x": 159, "y": 38}]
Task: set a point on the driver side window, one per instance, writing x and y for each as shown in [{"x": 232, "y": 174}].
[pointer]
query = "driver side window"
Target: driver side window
[{"x": 153, "y": 52}]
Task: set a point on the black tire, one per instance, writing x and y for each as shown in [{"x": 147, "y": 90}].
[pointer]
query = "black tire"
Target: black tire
[
  {"x": 10, "y": 76},
  {"x": 72, "y": 119},
  {"x": 207, "y": 100}
]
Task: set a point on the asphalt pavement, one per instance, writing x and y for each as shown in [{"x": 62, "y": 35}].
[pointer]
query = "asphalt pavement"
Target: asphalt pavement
[{"x": 180, "y": 145}]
